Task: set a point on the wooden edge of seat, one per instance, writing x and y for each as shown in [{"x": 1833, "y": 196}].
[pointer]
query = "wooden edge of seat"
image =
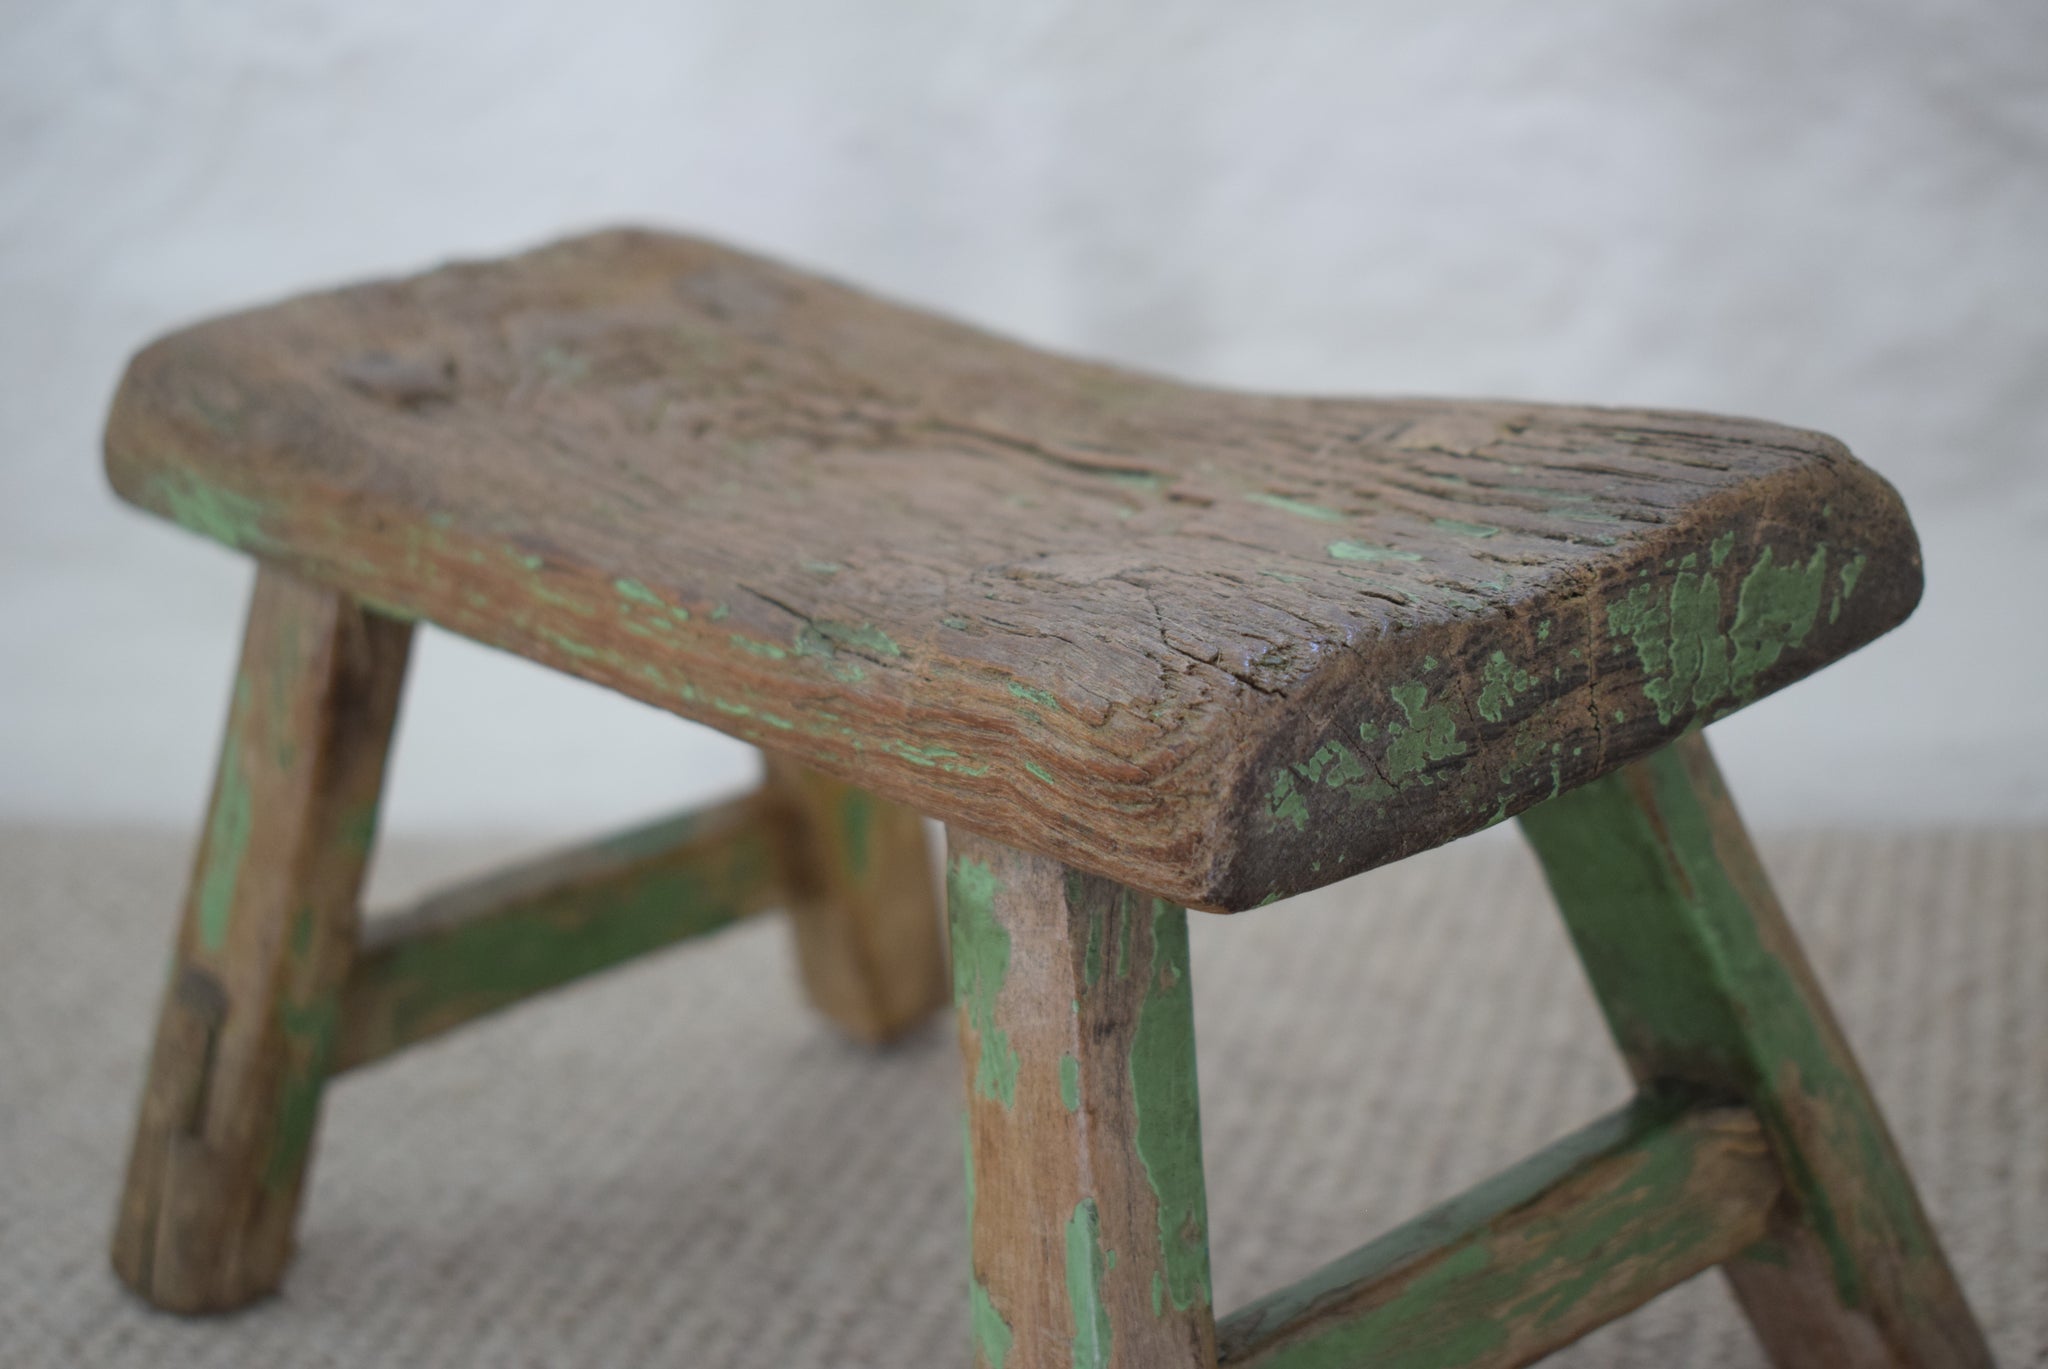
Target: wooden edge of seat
[
  {"x": 1391, "y": 747},
  {"x": 1457, "y": 728}
]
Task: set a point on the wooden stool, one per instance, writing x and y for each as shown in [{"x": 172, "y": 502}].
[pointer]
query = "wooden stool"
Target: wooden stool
[{"x": 1142, "y": 646}]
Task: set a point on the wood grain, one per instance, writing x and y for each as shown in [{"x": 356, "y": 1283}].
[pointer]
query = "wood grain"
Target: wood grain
[
  {"x": 1703, "y": 983},
  {"x": 1223, "y": 647},
  {"x": 1582, "y": 1232},
  {"x": 245, "y": 1040},
  {"x": 1085, "y": 1194},
  {"x": 495, "y": 941},
  {"x": 863, "y": 904}
]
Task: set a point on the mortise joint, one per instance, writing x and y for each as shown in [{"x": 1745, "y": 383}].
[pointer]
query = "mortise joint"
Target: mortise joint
[{"x": 201, "y": 1005}]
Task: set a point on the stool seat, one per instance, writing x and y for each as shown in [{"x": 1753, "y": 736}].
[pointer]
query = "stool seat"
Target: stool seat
[{"x": 1221, "y": 647}]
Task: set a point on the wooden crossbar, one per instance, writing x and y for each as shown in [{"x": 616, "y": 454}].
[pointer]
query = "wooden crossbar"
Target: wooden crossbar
[
  {"x": 488, "y": 944},
  {"x": 1580, "y": 1233}
]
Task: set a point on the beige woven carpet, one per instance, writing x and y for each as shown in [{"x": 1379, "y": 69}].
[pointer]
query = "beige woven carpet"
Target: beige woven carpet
[{"x": 677, "y": 1165}]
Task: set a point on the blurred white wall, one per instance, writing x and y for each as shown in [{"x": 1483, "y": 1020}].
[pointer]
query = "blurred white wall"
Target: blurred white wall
[{"x": 1831, "y": 213}]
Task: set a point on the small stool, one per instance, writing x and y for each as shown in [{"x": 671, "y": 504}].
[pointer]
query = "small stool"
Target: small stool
[{"x": 1142, "y": 646}]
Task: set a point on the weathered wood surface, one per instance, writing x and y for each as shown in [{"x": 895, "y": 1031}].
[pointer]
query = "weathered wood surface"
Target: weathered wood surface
[
  {"x": 246, "y": 1035},
  {"x": 1579, "y": 1234},
  {"x": 1221, "y": 646},
  {"x": 488, "y": 944},
  {"x": 1086, "y": 1203},
  {"x": 1703, "y": 983},
  {"x": 863, "y": 903}
]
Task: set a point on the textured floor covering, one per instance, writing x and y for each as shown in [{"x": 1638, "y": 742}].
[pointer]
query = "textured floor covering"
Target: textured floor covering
[{"x": 678, "y": 1165}]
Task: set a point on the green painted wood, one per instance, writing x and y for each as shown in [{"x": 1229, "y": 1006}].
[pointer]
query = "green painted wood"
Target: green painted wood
[
  {"x": 245, "y": 1038},
  {"x": 1086, "y": 1201},
  {"x": 491, "y": 943},
  {"x": 1578, "y": 1234},
  {"x": 1703, "y": 983}
]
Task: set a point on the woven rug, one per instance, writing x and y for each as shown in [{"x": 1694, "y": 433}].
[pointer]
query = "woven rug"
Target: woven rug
[{"x": 677, "y": 1165}]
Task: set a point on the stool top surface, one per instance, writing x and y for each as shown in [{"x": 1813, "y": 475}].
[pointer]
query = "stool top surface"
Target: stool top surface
[{"x": 1221, "y": 646}]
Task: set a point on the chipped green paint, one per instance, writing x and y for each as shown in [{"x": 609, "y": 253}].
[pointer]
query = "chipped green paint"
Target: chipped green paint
[
  {"x": 764, "y": 649},
  {"x": 935, "y": 757},
  {"x": 1337, "y": 766},
  {"x": 824, "y": 637},
  {"x": 1850, "y": 572},
  {"x": 541, "y": 592},
  {"x": 1464, "y": 529},
  {"x": 1168, "y": 1131},
  {"x": 569, "y": 646},
  {"x": 1483, "y": 1277},
  {"x": 638, "y": 593},
  {"x": 1366, "y": 551},
  {"x": 1070, "y": 1082},
  {"x": 1287, "y": 803},
  {"x": 1694, "y": 989},
  {"x": 1690, "y": 660},
  {"x": 857, "y": 830},
  {"x": 1300, "y": 508},
  {"x": 1775, "y": 610},
  {"x": 1086, "y": 1265},
  {"x": 1424, "y": 733},
  {"x": 1041, "y": 772},
  {"x": 1502, "y": 681},
  {"x": 1430, "y": 734},
  {"x": 1543, "y": 631},
  {"x": 1723, "y": 546},
  {"x": 223, "y": 515},
  {"x": 821, "y": 567},
  {"x": 1037, "y": 696},
  {"x": 668, "y": 887},
  {"x": 981, "y": 961},
  {"x": 308, "y": 1031},
  {"x": 992, "y": 1335},
  {"x": 228, "y": 829}
]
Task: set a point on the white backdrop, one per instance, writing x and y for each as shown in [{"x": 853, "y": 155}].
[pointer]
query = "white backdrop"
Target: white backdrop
[{"x": 1831, "y": 213}]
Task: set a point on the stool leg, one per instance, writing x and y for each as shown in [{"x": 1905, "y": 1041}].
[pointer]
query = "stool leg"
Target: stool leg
[
  {"x": 1702, "y": 981},
  {"x": 863, "y": 903},
  {"x": 269, "y": 926},
  {"x": 1086, "y": 1204}
]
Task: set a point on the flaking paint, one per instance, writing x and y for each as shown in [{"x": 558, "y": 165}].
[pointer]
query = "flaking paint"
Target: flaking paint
[
  {"x": 1086, "y": 1265},
  {"x": 1689, "y": 660},
  {"x": 1163, "y": 1094},
  {"x": 981, "y": 961},
  {"x": 228, "y": 830}
]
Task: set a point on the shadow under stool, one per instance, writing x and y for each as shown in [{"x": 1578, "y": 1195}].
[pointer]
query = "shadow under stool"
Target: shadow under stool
[{"x": 1142, "y": 646}]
